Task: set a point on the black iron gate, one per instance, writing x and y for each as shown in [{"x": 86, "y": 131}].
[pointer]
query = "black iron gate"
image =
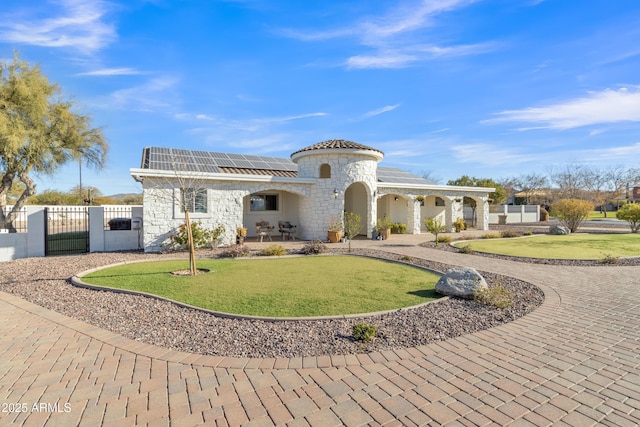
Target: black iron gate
[{"x": 66, "y": 230}]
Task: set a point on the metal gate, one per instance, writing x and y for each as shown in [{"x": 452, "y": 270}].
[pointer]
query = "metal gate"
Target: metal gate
[{"x": 66, "y": 230}]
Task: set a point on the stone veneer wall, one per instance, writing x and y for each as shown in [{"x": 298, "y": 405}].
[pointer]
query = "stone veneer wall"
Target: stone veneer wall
[
  {"x": 319, "y": 210},
  {"x": 162, "y": 214}
]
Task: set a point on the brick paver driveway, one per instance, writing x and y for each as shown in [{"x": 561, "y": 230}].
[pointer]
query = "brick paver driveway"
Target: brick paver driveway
[{"x": 574, "y": 361}]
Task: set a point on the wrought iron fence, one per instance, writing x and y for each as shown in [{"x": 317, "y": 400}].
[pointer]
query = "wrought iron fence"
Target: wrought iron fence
[
  {"x": 19, "y": 225},
  {"x": 117, "y": 217}
]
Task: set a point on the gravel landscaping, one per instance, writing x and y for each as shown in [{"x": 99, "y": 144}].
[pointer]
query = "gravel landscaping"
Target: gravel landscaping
[{"x": 45, "y": 281}]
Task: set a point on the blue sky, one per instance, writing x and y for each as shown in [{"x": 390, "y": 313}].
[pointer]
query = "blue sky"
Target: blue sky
[{"x": 492, "y": 88}]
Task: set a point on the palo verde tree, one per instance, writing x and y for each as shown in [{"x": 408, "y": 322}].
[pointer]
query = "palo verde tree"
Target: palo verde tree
[{"x": 39, "y": 132}]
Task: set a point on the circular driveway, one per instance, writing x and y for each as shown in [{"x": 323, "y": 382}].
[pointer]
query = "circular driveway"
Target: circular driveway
[{"x": 575, "y": 360}]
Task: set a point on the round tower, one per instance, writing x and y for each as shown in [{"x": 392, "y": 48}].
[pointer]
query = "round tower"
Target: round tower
[{"x": 346, "y": 180}]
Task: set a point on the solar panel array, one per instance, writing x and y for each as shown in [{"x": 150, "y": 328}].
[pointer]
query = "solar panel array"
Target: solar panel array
[
  {"x": 206, "y": 161},
  {"x": 398, "y": 176},
  {"x": 174, "y": 159}
]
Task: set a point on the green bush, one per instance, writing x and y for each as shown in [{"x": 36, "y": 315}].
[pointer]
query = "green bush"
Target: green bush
[
  {"x": 398, "y": 228},
  {"x": 459, "y": 225},
  {"x": 466, "y": 249},
  {"x": 273, "y": 250},
  {"x": 630, "y": 213},
  {"x": 508, "y": 234},
  {"x": 572, "y": 212},
  {"x": 444, "y": 239},
  {"x": 491, "y": 236},
  {"x": 407, "y": 258},
  {"x": 314, "y": 248},
  {"x": 498, "y": 296},
  {"x": 362, "y": 332},
  {"x": 610, "y": 260},
  {"x": 201, "y": 236}
]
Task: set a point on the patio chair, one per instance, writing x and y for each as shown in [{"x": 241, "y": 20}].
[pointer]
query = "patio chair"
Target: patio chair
[
  {"x": 263, "y": 229},
  {"x": 287, "y": 230}
]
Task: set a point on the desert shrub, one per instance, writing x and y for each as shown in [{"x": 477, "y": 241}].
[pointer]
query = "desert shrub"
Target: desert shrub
[
  {"x": 314, "y": 248},
  {"x": 528, "y": 233},
  {"x": 407, "y": 258},
  {"x": 497, "y": 296},
  {"x": 236, "y": 251},
  {"x": 630, "y": 213},
  {"x": 466, "y": 249},
  {"x": 273, "y": 250},
  {"x": 508, "y": 234},
  {"x": 362, "y": 332},
  {"x": 491, "y": 236},
  {"x": 398, "y": 228},
  {"x": 201, "y": 236},
  {"x": 572, "y": 212},
  {"x": 444, "y": 239},
  {"x": 460, "y": 225},
  {"x": 610, "y": 259},
  {"x": 435, "y": 226},
  {"x": 544, "y": 215}
]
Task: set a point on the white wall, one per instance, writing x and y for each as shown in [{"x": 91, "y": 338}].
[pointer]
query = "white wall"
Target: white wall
[{"x": 515, "y": 213}]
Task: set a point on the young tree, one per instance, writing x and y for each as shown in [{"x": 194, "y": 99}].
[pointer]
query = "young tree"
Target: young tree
[
  {"x": 571, "y": 212},
  {"x": 351, "y": 226},
  {"x": 435, "y": 226},
  {"x": 39, "y": 132},
  {"x": 630, "y": 213}
]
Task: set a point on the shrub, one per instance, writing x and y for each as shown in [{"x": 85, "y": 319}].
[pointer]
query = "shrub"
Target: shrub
[
  {"x": 314, "y": 248},
  {"x": 201, "y": 236},
  {"x": 407, "y": 258},
  {"x": 491, "y": 236},
  {"x": 497, "y": 296},
  {"x": 610, "y": 259},
  {"x": 398, "y": 228},
  {"x": 362, "y": 332},
  {"x": 444, "y": 239},
  {"x": 630, "y": 213},
  {"x": 460, "y": 225},
  {"x": 466, "y": 249},
  {"x": 528, "y": 233},
  {"x": 572, "y": 212},
  {"x": 435, "y": 226},
  {"x": 236, "y": 251},
  {"x": 273, "y": 250},
  {"x": 508, "y": 234}
]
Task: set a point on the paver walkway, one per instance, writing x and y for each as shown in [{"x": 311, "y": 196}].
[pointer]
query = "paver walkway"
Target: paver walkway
[{"x": 574, "y": 361}]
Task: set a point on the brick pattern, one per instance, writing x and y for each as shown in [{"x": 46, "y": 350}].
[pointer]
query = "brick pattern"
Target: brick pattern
[{"x": 574, "y": 361}]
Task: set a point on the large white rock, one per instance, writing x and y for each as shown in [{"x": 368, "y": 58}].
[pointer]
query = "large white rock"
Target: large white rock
[
  {"x": 559, "y": 230},
  {"x": 460, "y": 282}
]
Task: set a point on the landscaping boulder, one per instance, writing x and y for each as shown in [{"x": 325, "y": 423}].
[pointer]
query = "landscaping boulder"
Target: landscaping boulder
[
  {"x": 559, "y": 230},
  {"x": 460, "y": 282}
]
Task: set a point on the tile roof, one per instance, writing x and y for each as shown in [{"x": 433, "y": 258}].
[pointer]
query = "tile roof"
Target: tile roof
[{"x": 337, "y": 144}]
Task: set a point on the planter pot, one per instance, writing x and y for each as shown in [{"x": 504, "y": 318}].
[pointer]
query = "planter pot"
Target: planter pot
[
  {"x": 385, "y": 233},
  {"x": 334, "y": 236},
  {"x": 375, "y": 235}
]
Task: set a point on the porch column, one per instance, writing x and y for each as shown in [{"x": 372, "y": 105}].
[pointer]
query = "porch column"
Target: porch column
[
  {"x": 414, "y": 222},
  {"x": 483, "y": 216}
]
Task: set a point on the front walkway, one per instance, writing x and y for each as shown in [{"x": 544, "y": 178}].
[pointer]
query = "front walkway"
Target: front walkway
[{"x": 574, "y": 361}]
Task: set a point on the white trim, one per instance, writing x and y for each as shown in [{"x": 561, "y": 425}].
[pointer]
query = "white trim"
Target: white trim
[
  {"x": 140, "y": 174},
  {"x": 378, "y": 156},
  {"x": 396, "y": 185}
]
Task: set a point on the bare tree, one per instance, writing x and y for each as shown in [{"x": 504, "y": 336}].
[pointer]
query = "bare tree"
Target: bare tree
[
  {"x": 531, "y": 185},
  {"x": 595, "y": 182},
  {"x": 569, "y": 180},
  {"x": 185, "y": 189}
]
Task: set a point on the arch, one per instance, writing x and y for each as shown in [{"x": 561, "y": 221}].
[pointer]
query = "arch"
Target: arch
[
  {"x": 325, "y": 171},
  {"x": 356, "y": 200},
  {"x": 397, "y": 208},
  {"x": 435, "y": 205},
  {"x": 282, "y": 205}
]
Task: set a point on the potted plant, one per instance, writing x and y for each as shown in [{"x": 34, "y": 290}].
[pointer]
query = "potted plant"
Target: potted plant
[
  {"x": 383, "y": 226},
  {"x": 334, "y": 234},
  {"x": 241, "y": 233}
]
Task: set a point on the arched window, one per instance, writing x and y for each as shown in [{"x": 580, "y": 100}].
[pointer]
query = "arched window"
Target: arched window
[{"x": 325, "y": 170}]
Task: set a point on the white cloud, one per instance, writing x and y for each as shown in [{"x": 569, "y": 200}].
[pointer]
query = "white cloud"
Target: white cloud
[
  {"x": 380, "y": 111},
  {"x": 112, "y": 72},
  {"x": 488, "y": 155},
  {"x": 391, "y": 38},
  {"x": 607, "y": 106},
  {"x": 620, "y": 153},
  {"x": 76, "y": 23},
  {"x": 153, "y": 95}
]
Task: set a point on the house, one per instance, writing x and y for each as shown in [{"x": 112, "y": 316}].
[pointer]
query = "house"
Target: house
[{"x": 310, "y": 189}]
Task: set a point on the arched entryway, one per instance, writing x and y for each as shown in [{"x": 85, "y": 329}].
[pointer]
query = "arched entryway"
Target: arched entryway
[{"x": 356, "y": 200}]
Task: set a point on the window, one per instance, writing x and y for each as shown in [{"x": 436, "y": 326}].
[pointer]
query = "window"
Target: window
[
  {"x": 264, "y": 202},
  {"x": 194, "y": 200},
  {"x": 325, "y": 171},
  {"x": 439, "y": 201}
]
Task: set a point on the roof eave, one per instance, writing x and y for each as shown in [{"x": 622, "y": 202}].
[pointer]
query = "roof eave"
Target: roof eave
[{"x": 139, "y": 174}]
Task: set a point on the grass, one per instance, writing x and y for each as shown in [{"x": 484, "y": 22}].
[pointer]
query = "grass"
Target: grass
[
  {"x": 573, "y": 246},
  {"x": 286, "y": 287}
]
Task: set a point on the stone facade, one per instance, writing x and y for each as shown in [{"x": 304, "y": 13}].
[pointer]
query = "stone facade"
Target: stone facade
[{"x": 332, "y": 177}]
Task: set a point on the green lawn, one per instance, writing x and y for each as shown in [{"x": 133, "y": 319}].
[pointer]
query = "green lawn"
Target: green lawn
[
  {"x": 573, "y": 246},
  {"x": 280, "y": 287}
]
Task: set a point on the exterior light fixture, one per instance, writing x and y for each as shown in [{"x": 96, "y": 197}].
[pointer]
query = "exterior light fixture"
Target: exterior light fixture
[
  {"x": 335, "y": 193},
  {"x": 395, "y": 198}
]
